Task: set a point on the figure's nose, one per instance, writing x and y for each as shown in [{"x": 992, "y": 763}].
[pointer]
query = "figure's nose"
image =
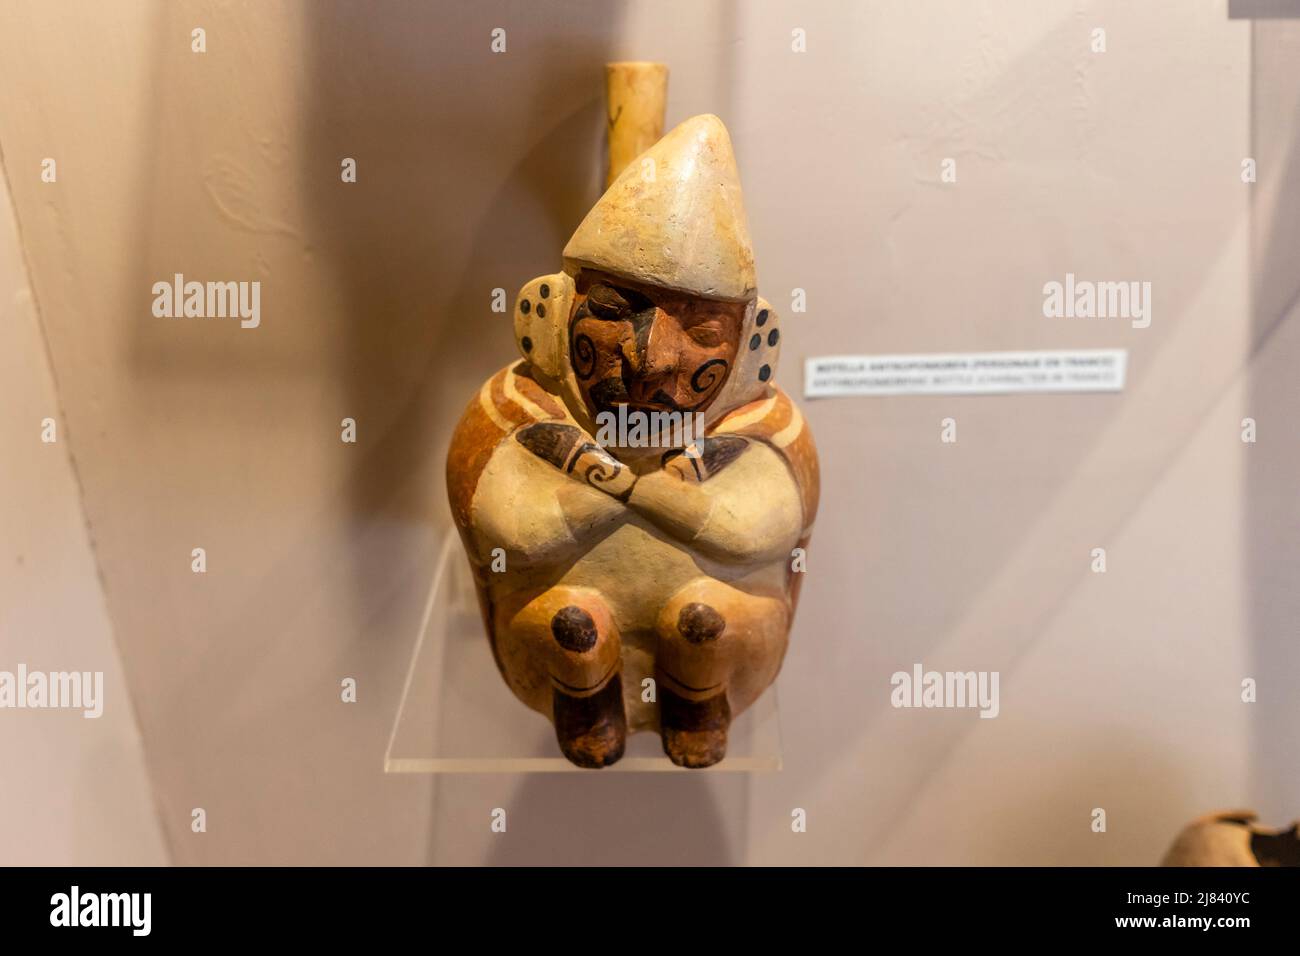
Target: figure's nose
[{"x": 658, "y": 345}]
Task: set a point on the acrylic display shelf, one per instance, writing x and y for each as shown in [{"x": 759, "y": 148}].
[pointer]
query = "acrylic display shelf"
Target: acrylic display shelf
[{"x": 456, "y": 714}]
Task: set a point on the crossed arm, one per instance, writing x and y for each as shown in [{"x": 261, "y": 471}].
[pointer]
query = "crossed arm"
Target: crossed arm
[{"x": 673, "y": 497}]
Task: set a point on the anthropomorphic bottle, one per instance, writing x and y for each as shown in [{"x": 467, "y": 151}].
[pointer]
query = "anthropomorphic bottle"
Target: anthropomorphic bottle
[{"x": 635, "y": 495}]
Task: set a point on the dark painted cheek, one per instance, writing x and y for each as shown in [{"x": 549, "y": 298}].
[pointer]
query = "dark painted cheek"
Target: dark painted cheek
[
  {"x": 583, "y": 353},
  {"x": 709, "y": 376},
  {"x": 594, "y": 348}
]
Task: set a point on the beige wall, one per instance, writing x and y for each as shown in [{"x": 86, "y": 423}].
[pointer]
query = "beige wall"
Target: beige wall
[
  {"x": 1119, "y": 691},
  {"x": 76, "y": 789}
]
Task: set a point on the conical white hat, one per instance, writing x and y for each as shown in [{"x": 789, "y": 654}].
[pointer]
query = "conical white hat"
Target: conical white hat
[{"x": 674, "y": 218}]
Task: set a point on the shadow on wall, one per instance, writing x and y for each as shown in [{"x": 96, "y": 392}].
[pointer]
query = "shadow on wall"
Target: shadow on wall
[{"x": 460, "y": 191}]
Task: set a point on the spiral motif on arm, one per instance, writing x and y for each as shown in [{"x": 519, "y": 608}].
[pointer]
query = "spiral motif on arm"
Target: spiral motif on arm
[
  {"x": 599, "y": 466},
  {"x": 600, "y": 472},
  {"x": 583, "y": 351},
  {"x": 709, "y": 375}
]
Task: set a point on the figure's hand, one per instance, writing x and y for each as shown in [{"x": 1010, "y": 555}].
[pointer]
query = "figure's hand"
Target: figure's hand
[
  {"x": 671, "y": 498},
  {"x": 739, "y": 521},
  {"x": 602, "y": 470},
  {"x": 705, "y": 458},
  {"x": 571, "y": 450}
]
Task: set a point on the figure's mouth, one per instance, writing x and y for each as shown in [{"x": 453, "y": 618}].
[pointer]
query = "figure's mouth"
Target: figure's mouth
[
  {"x": 645, "y": 408},
  {"x": 611, "y": 393},
  {"x": 659, "y": 402},
  {"x": 608, "y": 394}
]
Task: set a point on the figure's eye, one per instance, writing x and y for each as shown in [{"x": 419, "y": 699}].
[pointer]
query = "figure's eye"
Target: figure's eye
[
  {"x": 606, "y": 302},
  {"x": 706, "y": 334},
  {"x": 613, "y": 303}
]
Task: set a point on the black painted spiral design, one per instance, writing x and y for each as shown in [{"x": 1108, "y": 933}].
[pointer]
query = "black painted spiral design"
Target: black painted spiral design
[
  {"x": 603, "y": 469},
  {"x": 708, "y": 375},
  {"x": 584, "y": 355},
  {"x": 600, "y": 472}
]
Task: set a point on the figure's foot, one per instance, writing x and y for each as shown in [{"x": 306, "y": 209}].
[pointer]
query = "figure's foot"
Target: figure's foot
[
  {"x": 592, "y": 730},
  {"x": 694, "y": 731}
]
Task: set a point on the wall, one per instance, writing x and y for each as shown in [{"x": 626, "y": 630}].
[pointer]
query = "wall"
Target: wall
[
  {"x": 76, "y": 789},
  {"x": 1119, "y": 690}
]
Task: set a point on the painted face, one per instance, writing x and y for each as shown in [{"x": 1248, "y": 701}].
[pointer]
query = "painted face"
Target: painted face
[{"x": 651, "y": 349}]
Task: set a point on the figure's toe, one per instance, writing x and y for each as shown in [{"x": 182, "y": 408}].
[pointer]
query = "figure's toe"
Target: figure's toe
[
  {"x": 694, "y": 732},
  {"x": 592, "y": 730}
]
